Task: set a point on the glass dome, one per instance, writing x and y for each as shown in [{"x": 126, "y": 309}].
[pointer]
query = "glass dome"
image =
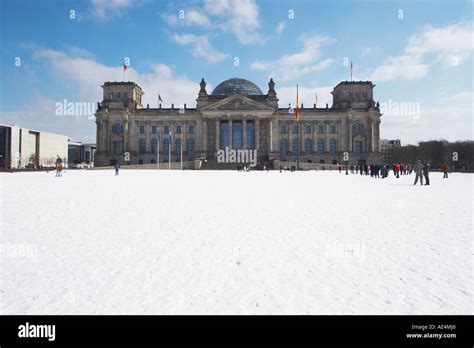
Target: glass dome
[{"x": 237, "y": 86}]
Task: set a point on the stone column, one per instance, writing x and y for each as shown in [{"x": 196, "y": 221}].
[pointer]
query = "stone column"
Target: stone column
[
  {"x": 107, "y": 137},
  {"x": 328, "y": 136},
  {"x": 184, "y": 141},
  {"x": 230, "y": 135},
  {"x": 302, "y": 135},
  {"x": 289, "y": 127},
  {"x": 204, "y": 135},
  {"x": 147, "y": 136},
  {"x": 125, "y": 135},
  {"x": 371, "y": 136},
  {"x": 98, "y": 140},
  {"x": 349, "y": 131},
  {"x": 218, "y": 134},
  {"x": 244, "y": 134},
  {"x": 276, "y": 135},
  {"x": 257, "y": 136}
]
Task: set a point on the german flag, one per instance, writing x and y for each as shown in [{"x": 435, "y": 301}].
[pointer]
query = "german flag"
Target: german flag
[{"x": 297, "y": 106}]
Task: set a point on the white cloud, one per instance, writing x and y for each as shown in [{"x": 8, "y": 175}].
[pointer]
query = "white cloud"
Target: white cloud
[
  {"x": 451, "y": 44},
  {"x": 240, "y": 17},
  {"x": 200, "y": 47},
  {"x": 280, "y": 28},
  {"x": 449, "y": 118},
  {"x": 87, "y": 75},
  {"x": 81, "y": 79},
  {"x": 292, "y": 66},
  {"x": 445, "y": 42},
  {"x": 404, "y": 67},
  {"x": 191, "y": 18},
  {"x": 105, "y": 9}
]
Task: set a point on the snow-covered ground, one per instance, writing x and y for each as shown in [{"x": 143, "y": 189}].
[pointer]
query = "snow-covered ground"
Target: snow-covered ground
[{"x": 203, "y": 242}]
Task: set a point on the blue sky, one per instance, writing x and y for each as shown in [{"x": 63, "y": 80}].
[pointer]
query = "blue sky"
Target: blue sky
[{"x": 417, "y": 53}]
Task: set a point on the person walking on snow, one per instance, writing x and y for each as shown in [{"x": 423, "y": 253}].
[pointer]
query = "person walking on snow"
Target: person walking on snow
[
  {"x": 426, "y": 173},
  {"x": 418, "y": 172},
  {"x": 117, "y": 166},
  {"x": 445, "y": 168},
  {"x": 397, "y": 170}
]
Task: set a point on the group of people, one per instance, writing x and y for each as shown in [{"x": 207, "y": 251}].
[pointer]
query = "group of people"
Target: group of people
[{"x": 422, "y": 170}]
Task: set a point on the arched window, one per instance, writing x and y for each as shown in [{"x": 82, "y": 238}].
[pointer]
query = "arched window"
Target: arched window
[
  {"x": 307, "y": 146},
  {"x": 357, "y": 128},
  {"x": 141, "y": 146},
  {"x": 117, "y": 128},
  {"x": 294, "y": 145},
  {"x": 191, "y": 145},
  {"x": 320, "y": 147},
  {"x": 154, "y": 146},
  {"x": 332, "y": 146},
  {"x": 166, "y": 146},
  {"x": 283, "y": 147},
  {"x": 178, "y": 146}
]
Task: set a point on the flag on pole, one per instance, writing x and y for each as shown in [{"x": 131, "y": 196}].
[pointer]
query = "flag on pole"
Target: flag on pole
[
  {"x": 169, "y": 137},
  {"x": 159, "y": 99},
  {"x": 351, "y": 70},
  {"x": 297, "y": 106},
  {"x": 123, "y": 72},
  {"x": 316, "y": 98}
]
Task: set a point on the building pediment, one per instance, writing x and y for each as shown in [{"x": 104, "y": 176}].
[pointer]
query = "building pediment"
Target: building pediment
[{"x": 237, "y": 102}]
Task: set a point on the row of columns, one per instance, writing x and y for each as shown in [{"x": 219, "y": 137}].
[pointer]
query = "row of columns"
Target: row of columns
[{"x": 244, "y": 134}]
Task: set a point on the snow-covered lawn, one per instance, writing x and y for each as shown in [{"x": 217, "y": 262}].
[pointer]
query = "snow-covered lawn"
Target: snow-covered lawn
[{"x": 203, "y": 242}]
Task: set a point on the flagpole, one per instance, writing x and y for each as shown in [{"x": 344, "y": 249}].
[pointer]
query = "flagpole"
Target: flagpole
[{"x": 297, "y": 134}]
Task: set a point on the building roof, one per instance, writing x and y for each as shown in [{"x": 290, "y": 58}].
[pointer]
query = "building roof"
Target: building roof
[{"x": 237, "y": 86}]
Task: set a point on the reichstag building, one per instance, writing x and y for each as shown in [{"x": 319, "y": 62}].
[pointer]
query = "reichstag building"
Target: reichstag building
[{"x": 238, "y": 115}]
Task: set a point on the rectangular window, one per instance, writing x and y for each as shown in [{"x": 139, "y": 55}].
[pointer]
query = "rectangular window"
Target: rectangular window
[
  {"x": 333, "y": 129},
  {"x": 117, "y": 145},
  {"x": 283, "y": 129},
  {"x": 321, "y": 129},
  {"x": 166, "y": 129},
  {"x": 320, "y": 147},
  {"x": 153, "y": 129},
  {"x": 358, "y": 146},
  {"x": 178, "y": 129},
  {"x": 308, "y": 129},
  {"x": 142, "y": 129},
  {"x": 191, "y": 129}
]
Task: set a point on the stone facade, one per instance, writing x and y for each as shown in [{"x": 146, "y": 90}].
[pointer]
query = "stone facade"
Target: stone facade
[{"x": 238, "y": 115}]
